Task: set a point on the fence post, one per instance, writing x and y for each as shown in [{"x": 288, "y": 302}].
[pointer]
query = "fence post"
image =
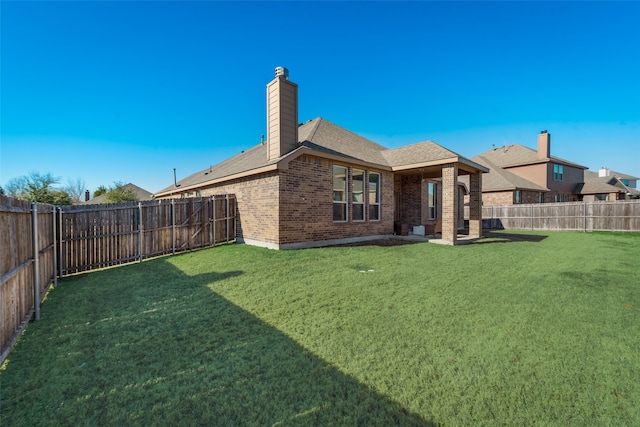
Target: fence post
[
  {"x": 214, "y": 219},
  {"x": 532, "y": 217},
  {"x": 226, "y": 212},
  {"x": 61, "y": 266},
  {"x": 140, "y": 229},
  {"x": 173, "y": 227},
  {"x": 55, "y": 252},
  {"x": 36, "y": 259},
  {"x": 492, "y": 222},
  {"x": 584, "y": 212}
]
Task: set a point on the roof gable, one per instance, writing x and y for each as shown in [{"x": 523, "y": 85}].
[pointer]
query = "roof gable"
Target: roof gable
[
  {"x": 596, "y": 184},
  {"x": 502, "y": 179},
  {"x": 417, "y": 153},
  {"x": 322, "y": 135}
]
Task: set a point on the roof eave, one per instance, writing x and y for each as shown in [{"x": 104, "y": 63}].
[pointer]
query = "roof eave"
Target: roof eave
[
  {"x": 546, "y": 160},
  {"x": 179, "y": 189},
  {"x": 284, "y": 162},
  {"x": 281, "y": 164},
  {"x": 513, "y": 188},
  {"x": 470, "y": 165}
]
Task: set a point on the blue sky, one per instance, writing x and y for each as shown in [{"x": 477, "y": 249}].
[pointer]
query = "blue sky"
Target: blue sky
[{"x": 126, "y": 91}]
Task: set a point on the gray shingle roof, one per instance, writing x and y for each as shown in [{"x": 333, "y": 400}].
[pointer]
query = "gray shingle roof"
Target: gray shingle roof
[
  {"x": 516, "y": 154},
  {"x": 325, "y": 137},
  {"x": 417, "y": 153},
  {"x": 250, "y": 159},
  {"x": 501, "y": 179},
  {"x": 328, "y": 137},
  {"x": 595, "y": 184},
  {"x": 620, "y": 175},
  {"x": 140, "y": 193}
]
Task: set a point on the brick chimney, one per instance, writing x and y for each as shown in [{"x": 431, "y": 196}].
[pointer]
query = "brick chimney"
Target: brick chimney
[
  {"x": 544, "y": 145},
  {"x": 282, "y": 115}
]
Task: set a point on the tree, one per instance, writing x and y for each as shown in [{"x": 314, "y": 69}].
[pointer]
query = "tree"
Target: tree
[
  {"x": 38, "y": 187},
  {"x": 76, "y": 189},
  {"x": 1, "y": 191},
  {"x": 100, "y": 191},
  {"x": 120, "y": 193}
]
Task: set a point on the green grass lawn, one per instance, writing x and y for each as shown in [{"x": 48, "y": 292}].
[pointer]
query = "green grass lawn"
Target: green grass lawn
[{"x": 518, "y": 329}]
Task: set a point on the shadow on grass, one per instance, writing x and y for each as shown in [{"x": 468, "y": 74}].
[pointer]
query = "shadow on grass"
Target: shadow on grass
[
  {"x": 147, "y": 344},
  {"x": 504, "y": 237}
]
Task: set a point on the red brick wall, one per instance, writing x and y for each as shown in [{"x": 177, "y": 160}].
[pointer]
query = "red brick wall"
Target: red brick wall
[
  {"x": 257, "y": 199},
  {"x": 306, "y": 196},
  {"x": 410, "y": 203},
  {"x": 496, "y": 198},
  {"x": 296, "y": 205}
]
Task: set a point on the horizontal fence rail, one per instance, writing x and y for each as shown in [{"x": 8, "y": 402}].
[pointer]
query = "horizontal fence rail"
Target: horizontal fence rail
[
  {"x": 39, "y": 243},
  {"x": 622, "y": 215}
]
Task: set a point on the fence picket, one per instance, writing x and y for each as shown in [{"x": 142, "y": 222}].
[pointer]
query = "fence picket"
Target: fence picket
[{"x": 622, "y": 215}]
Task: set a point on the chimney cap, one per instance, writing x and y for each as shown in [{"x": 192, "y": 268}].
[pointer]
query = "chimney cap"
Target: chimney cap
[
  {"x": 282, "y": 71},
  {"x": 543, "y": 131}
]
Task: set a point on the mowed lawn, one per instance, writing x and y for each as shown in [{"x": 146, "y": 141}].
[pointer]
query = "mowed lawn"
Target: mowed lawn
[{"x": 519, "y": 329}]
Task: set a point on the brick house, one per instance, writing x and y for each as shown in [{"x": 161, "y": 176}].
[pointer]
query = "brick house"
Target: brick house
[
  {"x": 503, "y": 187},
  {"x": 607, "y": 185},
  {"x": 316, "y": 183},
  {"x": 519, "y": 174}
]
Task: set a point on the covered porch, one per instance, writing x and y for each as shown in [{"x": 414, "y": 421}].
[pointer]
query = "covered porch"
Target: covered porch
[{"x": 430, "y": 195}]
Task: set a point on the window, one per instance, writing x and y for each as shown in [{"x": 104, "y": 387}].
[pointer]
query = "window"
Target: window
[
  {"x": 518, "y": 197},
  {"x": 357, "y": 177},
  {"x": 540, "y": 197},
  {"x": 374, "y": 196},
  {"x": 339, "y": 193},
  {"x": 561, "y": 198},
  {"x": 558, "y": 170},
  {"x": 432, "y": 196}
]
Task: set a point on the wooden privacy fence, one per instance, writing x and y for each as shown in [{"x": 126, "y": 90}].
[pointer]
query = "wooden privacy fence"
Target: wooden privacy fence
[
  {"x": 98, "y": 236},
  {"x": 583, "y": 216},
  {"x": 40, "y": 242},
  {"x": 27, "y": 264}
]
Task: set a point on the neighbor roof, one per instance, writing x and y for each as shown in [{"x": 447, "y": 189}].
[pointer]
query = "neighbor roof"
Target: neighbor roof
[
  {"x": 596, "y": 184},
  {"x": 323, "y": 138},
  {"x": 141, "y": 194},
  {"x": 519, "y": 155},
  {"x": 499, "y": 179}
]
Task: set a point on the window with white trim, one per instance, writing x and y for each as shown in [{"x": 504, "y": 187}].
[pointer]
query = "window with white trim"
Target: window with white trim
[
  {"x": 374, "y": 196},
  {"x": 357, "y": 194},
  {"x": 339, "y": 193}
]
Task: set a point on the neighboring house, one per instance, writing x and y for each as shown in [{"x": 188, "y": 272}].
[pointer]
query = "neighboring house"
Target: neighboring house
[
  {"x": 317, "y": 184},
  {"x": 522, "y": 175},
  {"x": 141, "y": 195},
  {"x": 503, "y": 187},
  {"x": 607, "y": 185}
]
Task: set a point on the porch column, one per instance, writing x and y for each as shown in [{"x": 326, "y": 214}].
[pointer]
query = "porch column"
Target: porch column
[
  {"x": 475, "y": 205},
  {"x": 450, "y": 203}
]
